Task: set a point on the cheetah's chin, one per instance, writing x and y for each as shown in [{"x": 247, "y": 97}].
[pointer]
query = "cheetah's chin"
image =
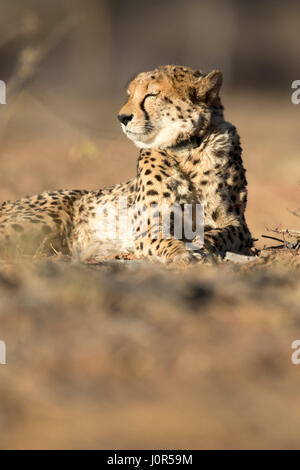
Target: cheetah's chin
[
  {"x": 141, "y": 139},
  {"x": 156, "y": 138}
]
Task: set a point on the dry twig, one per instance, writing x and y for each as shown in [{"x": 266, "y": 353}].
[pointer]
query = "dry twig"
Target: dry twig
[{"x": 293, "y": 245}]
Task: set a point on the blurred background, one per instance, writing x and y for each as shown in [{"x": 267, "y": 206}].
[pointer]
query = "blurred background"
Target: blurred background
[
  {"x": 145, "y": 357},
  {"x": 98, "y": 45}
]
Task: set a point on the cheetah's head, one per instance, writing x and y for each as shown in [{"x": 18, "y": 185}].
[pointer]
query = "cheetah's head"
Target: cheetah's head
[{"x": 169, "y": 105}]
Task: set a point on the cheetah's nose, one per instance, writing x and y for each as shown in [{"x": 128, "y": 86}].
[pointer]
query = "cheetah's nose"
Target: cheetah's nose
[{"x": 125, "y": 118}]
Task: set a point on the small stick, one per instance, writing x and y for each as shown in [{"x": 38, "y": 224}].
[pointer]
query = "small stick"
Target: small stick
[
  {"x": 55, "y": 251},
  {"x": 296, "y": 213},
  {"x": 290, "y": 231},
  {"x": 273, "y": 238}
]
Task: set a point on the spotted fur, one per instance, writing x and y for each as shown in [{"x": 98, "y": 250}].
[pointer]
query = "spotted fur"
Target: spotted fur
[{"x": 188, "y": 154}]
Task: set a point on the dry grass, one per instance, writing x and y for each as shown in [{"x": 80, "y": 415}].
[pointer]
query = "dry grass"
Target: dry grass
[{"x": 140, "y": 356}]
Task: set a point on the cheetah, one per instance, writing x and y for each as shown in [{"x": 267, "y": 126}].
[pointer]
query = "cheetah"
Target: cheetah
[{"x": 188, "y": 154}]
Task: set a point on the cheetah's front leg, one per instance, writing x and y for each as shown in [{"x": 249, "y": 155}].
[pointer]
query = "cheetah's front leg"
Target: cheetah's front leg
[
  {"x": 235, "y": 238},
  {"x": 155, "y": 171}
]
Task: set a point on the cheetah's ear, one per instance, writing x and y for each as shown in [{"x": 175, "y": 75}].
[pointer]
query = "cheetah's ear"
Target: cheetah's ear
[{"x": 209, "y": 86}]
